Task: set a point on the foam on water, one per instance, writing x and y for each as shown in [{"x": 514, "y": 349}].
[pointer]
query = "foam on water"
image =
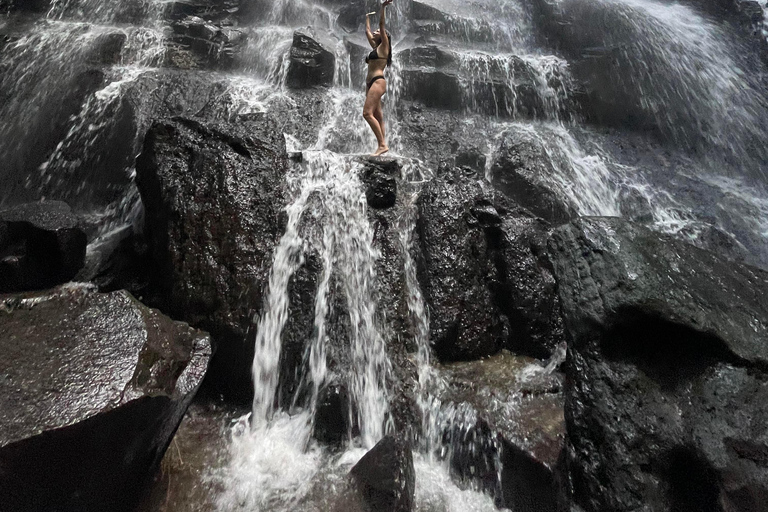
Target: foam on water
[{"x": 270, "y": 467}]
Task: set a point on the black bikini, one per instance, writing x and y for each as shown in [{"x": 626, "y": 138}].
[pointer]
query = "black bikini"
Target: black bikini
[{"x": 373, "y": 56}]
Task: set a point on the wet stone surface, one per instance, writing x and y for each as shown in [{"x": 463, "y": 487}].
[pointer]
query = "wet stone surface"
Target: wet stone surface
[
  {"x": 41, "y": 245},
  {"x": 95, "y": 378},
  {"x": 666, "y": 372}
]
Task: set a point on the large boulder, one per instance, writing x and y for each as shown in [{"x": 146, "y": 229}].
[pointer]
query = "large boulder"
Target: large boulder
[
  {"x": 213, "y": 194},
  {"x": 385, "y": 477},
  {"x": 92, "y": 389},
  {"x": 464, "y": 324},
  {"x": 523, "y": 171},
  {"x": 504, "y": 426},
  {"x": 311, "y": 63},
  {"x": 666, "y": 372},
  {"x": 484, "y": 272},
  {"x": 41, "y": 245}
]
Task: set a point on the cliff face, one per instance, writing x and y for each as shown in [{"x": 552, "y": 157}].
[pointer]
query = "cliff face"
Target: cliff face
[{"x": 548, "y": 292}]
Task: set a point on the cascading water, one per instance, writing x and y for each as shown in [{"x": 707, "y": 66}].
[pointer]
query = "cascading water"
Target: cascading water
[{"x": 676, "y": 64}]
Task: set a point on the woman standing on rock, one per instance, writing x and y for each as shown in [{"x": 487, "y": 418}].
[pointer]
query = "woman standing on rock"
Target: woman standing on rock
[{"x": 376, "y": 86}]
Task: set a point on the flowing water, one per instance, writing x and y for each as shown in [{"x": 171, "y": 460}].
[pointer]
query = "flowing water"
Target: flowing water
[{"x": 680, "y": 67}]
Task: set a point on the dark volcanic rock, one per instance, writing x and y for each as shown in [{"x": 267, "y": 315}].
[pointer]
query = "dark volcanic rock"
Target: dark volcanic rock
[
  {"x": 666, "y": 372},
  {"x": 213, "y": 195},
  {"x": 521, "y": 172},
  {"x": 464, "y": 324},
  {"x": 201, "y": 43},
  {"x": 332, "y": 416},
  {"x": 41, "y": 245},
  {"x": 443, "y": 78},
  {"x": 92, "y": 388},
  {"x": 510, "y": 410},
  {"x": 385, "y": 477},
  {"x": 484, "y": 273},
  {"x": 379, "y": 176},
  {"x": 311, "y": 64}
]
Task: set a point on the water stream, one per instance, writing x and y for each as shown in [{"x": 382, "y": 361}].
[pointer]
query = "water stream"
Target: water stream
[{"x": 679, "y": 65}]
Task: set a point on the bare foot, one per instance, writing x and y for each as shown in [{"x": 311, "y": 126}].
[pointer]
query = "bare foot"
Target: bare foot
[{"x": 381, "y": 150}]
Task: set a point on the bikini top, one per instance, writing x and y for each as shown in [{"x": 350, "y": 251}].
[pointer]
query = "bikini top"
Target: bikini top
[{"x": 373, "y": 55}]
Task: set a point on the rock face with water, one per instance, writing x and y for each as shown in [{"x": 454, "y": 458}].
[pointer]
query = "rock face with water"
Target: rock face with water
[
  {"x": 666, "y": 371},
  {"x": 385, "y": 476},
  {"x": 484, "y": 272},
  {"x": 41, "y": 245},
  {"x": 521, "y": 171},
  {"x": 213, "y": 195},
  {"x": 93, "y": 388},
  {"x": 509, "y": 408},
  {"x": 311, "y": 64}
]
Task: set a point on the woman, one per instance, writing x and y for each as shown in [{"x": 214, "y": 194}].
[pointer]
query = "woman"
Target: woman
[{"x": 376, "y": 86}]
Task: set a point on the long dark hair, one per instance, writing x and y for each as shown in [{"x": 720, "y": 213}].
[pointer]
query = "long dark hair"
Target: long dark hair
[{"x": 389, "y": 42}]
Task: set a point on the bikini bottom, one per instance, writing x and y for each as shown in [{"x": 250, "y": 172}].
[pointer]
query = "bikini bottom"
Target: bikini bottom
[{"x": 370, "y": 83}]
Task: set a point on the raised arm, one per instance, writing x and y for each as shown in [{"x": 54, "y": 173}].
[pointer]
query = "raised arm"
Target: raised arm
[
  {"x": 368, "y": 32},
  {"x": 382, "y": 24}
]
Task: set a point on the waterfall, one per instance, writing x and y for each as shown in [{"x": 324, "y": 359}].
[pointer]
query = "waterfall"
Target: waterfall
[{"x": 691, "y": 158}]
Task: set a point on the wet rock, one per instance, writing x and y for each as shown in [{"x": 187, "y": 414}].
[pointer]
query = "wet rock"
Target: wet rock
[
  {"x": 210, "y": 10},
  {"x": 107, "y": 48},
  {"x": 471, "y": 157},
  {"x": 358, "y": 49},
  {"x": 443, "y": 78},
  {"x": 93, "y": 387},
  {"x": 41, "y": 245},
  {"x": 464, "y": 324},
  {"x": 213, "y": 194},
  {"x": 522, "y": 172},
  {"x": 509, "y": 409},
  {"x": 204, "y": 43},
  {"x": 524, "y": 289},
  {"x": 666, "y": 371},
  {"x": 378, "y": 175},
  {"x": 332, "y": 417},
  {"x": 485, "y": 275},
  {"x": 385, "y": 476},
  {"x": 312, "y": 63}
]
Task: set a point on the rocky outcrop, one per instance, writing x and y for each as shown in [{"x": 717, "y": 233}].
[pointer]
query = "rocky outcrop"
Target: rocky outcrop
[
  {"x": 213, "y": 196},
  {"x": 41, "y": 245},
  {"x": 666, "y": 373},
  {"x": 198, "y": 43},
  {"x": 484, "y": 273},
  {"x": 379, "y": 176},
  {"x": 489, "y": 84},
  {"x": 523, "y": 170},
  {"x": 385, "y": 477},
  {"x": 93, "y": 388},
  {"x": 514, "y": 453},
  {"x": 311, "y": 63}
]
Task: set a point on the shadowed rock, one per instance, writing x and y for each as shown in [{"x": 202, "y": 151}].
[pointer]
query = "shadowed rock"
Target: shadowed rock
[
  {"x": 484, "y": 274},
  {"x": 312, "y": 64},
  {"x": 523, "y": 171},
  {"x": 41, "y": 245},
  {"x": 507, "y": 409},
  {"x": 213, "y": 194},
  {"x": 385, "y": 477},
  {"x": 93, "y": 388},
  {"x": 666, "y": 373}
]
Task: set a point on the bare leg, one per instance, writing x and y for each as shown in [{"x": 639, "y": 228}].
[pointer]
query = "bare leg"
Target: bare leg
[
  {"x": 372, "y": 102},
  {"x": 379, "y": 115}
]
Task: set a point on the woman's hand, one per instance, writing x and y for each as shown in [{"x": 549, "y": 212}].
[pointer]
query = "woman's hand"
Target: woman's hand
[{"x": 386, "y": 3}]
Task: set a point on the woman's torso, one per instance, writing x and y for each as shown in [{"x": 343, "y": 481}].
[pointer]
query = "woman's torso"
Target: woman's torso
[{"x": 376, "y": 65}]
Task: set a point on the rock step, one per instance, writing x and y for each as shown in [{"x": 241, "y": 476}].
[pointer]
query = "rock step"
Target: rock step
[
  {"x": 505, "y": 85},
  {"x": 93, "y": 387},
  {"x": 41, "y": 245}
]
